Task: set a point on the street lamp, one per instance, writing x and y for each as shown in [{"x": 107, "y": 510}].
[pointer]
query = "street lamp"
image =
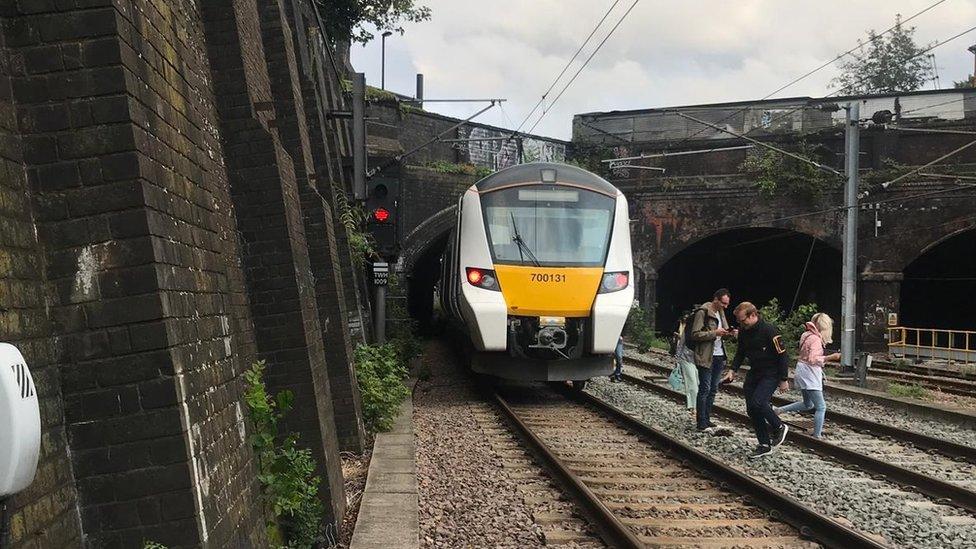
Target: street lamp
[{"x": 383, "y": 60}]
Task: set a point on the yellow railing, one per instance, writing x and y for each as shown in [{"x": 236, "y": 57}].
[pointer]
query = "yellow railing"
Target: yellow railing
[{"x": 951, "y": 345}]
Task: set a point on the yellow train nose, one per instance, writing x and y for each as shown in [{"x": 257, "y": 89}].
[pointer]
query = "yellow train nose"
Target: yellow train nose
[{"x": 548, "y": 291}]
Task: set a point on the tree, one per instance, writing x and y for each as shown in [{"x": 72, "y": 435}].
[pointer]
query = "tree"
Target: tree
[
  {"x": 967, "y": 83},
  {"x": 352, "y": 20},
  {"x": 888, "y": 63}
]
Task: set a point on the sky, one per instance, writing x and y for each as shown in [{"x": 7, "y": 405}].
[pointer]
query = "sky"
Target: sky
[{"x": 664, "y": 53}]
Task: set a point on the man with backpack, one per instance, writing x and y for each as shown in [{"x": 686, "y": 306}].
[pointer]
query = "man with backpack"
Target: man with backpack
[{"x": 707, "y": 328}]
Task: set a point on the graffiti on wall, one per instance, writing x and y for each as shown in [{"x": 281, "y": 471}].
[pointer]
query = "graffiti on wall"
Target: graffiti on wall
[{"x": 485, "y": 147}]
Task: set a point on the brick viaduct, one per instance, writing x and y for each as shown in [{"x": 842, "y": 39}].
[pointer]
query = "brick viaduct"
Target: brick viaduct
[
  {"x": 704, "y": 225},
  {"x": 169, "y": 171}
]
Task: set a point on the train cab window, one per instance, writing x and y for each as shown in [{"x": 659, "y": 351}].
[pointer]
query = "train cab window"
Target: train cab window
[{"x": 549, "y": 225}]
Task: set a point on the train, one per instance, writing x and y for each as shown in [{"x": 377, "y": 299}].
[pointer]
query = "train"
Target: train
[{"x": 539, "y": 271}]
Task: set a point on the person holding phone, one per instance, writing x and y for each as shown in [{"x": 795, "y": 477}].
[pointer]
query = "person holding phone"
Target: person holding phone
[{"x": 708, "y": 327}]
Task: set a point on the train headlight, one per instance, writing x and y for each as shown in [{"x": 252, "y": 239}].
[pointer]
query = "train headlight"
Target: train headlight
[
  {"x": 483, "y": 278},
  {"x": 613, "y": 282}
]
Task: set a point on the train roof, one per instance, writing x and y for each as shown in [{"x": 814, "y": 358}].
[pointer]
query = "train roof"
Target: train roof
[{"x": 532, "y": 173}]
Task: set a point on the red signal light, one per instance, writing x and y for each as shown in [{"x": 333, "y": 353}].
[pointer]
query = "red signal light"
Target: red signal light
[
  {"x": 474, "y": 276},
  {"x": 381, "y": 215}
]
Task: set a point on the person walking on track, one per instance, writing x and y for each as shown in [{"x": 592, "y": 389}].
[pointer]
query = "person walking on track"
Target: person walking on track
[
  {"x": 708, "y": 328},
  {"x": 618, "y": 361},
  {"x": 761, "y": 343},
  {"x": 809, "y": 370},
  {"x": 685, "y": 358}
]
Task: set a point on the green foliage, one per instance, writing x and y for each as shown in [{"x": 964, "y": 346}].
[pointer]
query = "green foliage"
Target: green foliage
[
  {"x": 353, "y": 219},
  {"x": 777, "y": 173},
  {"x": 152, "y": 545},
  {"x": 376, "y": 94},
  {"x": 450, "y": 167},
  {"x": 907, "y": 391},
  {"x": 967, "y": 83},
  {"x": 638, "y": 331},
  {"x": 402, "y": 331},
  {"x": 890, "y": 63},
  {"x": 791, "y": 325},
  {"x": 889, "y": 170},
  {"x": 286, "y": 472},
  {"x": 589, "y": 157},
  {"x": 351, "y": 19},
  {"x": 380, "y": 370}
]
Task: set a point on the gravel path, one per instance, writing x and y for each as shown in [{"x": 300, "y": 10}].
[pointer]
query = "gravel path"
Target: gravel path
[
  {"x": 477, "y": 486},
  {"x": 872, "y": 506},
  {"x": 866, "y": 409}
]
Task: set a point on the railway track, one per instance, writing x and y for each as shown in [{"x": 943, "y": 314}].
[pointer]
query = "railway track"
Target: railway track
[
  {"x": 641, "y": 487},
  {"x": 930, "y": 444},
  {"x": 927, "y": 471},
  {"x": 953, "y": 386}
]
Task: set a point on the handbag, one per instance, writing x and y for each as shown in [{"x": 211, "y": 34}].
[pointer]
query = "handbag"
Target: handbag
[{"x": 676, "y": 380}]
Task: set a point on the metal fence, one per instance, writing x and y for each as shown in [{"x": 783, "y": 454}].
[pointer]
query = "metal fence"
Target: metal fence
[{"x": 951, "y": 345}]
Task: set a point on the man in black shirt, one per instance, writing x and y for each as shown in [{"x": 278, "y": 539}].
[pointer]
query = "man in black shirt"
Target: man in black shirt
[{"x": 760, "y": 342}]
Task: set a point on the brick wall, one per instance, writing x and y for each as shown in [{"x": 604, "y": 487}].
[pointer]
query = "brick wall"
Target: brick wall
[
  {"x": 46, "y": 514},
  {"x": 291, "y": 122},
  {"x": 275, "y": 253},
  {"x": 152, "y": 246}
]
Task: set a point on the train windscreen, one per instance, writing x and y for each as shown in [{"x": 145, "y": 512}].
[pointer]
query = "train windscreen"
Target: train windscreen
[{"x": 548, "y": 225}]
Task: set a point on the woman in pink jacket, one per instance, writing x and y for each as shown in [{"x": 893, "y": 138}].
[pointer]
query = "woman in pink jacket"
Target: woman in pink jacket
[{"x": 809, "y": 370}]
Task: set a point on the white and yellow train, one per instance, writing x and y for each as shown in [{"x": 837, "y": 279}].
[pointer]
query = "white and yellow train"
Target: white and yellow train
[{"x": 539, "y": 270}]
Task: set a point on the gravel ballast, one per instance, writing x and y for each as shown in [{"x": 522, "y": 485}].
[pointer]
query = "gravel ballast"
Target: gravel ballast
[
  {"x": 873, "y": 506},
  {"x": 873, "y": 411},
  {"x": 477, "y": 486}
]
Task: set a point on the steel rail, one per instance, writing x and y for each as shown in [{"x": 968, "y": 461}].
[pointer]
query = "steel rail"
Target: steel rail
[
  {"x": 924, "y": 370},
  {"x": 780, "y": 506},
  {"x": 613, "y": 532},
  {"x": 808, "y": 522},
  {"x": 951, "y": 386},
  {"x": 947, "y": 448},
  {"x": 924, "y": 484}
]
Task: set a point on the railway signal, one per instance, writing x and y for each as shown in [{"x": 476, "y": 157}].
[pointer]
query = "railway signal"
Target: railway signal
[{"x": 382, "y": 200}]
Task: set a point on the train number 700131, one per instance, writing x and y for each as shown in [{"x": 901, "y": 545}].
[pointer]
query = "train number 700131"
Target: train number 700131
[{"x": 546, "y": 277}]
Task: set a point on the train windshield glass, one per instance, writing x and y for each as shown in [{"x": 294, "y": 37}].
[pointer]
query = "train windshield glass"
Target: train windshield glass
[{"x": 548, "y": 225}]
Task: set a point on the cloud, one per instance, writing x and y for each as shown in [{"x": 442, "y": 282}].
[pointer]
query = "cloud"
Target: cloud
[{"x": 664, "y": 53}]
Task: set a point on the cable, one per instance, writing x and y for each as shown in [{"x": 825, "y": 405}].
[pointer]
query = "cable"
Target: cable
[
  {"x": 585, "y": 63},
  {"x": 566, "y": 67},
  {"x": 811, "y": 72},
  {"x": 862, "y": 79},
  {"x": 813, "y": 242},
  {"x": 887, "y": 184}
]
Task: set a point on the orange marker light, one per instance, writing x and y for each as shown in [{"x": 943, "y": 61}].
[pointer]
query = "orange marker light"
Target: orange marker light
[{"x": 474, "y": 276}]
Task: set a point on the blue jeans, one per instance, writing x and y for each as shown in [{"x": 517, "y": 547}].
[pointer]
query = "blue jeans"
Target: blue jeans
[
  {"x": 812, "y": 400},
  {"x": 708, "y": 381},
  {"x": 618, "y": 359},
  {"x": 759, "y": 388}
]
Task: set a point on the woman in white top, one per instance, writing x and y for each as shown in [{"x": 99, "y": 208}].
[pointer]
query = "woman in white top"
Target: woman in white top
[{"x": 809, "y": 370}]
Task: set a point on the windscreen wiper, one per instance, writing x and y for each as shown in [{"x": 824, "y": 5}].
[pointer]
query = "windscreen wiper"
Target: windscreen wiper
[{"x": 522, "y": 246}]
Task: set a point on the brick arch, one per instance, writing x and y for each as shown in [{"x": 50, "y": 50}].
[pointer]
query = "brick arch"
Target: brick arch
[
  {"x": 424, "y": 235},
  {"x": 952, "y": 230},
  {"x": 677, "y": 246}
]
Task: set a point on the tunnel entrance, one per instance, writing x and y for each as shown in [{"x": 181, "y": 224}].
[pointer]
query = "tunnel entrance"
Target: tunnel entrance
[
  {"x": 939, "y": 286},
  {"x": 755, "y": 264},
  {"x": 421, "y": 281}
]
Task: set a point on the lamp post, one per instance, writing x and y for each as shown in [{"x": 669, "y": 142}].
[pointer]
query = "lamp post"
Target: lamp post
[{"x": 383, "y": 59}]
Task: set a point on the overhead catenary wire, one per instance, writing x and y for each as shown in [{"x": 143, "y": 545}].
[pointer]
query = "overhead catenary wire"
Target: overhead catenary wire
[
  {"x": 812, "y": 71},
  {"x": 569, "y": 63},
  {"x": 585, "y": 63},
  {"x": 956, "y": 151}
]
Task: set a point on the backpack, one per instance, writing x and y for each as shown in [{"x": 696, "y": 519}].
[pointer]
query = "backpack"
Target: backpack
[{"x": 688, "y": 321}]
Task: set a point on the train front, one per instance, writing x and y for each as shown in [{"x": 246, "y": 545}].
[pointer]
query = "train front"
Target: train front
[{"x": 547, "y": 272}]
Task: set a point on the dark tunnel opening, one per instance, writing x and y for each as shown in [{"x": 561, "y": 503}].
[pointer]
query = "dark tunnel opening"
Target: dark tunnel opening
[
  {"x": 420, "y": 285},
  {"x": 938, "y": 288},
  {"x": 757, "y": 265}
]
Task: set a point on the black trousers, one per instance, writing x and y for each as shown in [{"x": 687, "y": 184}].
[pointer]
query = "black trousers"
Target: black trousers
[{"x": 759, "y": 388}]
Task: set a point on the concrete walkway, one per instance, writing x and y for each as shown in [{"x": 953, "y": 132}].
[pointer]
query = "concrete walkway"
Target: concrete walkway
[{"x": 388, "y": 516}]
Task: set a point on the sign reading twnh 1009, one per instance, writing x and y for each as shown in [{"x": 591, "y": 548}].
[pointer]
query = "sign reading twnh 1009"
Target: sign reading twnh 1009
[{"x": 381, "y": 273}]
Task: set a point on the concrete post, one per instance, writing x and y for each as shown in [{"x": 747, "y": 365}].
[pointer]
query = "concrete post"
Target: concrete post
[{"x": 849, "y": 290}]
